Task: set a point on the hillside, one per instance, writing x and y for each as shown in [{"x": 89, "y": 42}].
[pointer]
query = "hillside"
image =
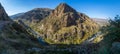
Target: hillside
[
  {"x": 62, "y": 30},
  {"x": 41, "y": 12},
  {"x": 14, "y": 37},
  {"x": 66, "y": 26},
  {"x": 34, "y": 15}
]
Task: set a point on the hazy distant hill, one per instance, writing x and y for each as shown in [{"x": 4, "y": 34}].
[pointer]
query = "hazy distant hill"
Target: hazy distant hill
[
  {"x": 101, "y": 22},
  {"x": 16, "y": 15},
  {"x": 34, "y": 15}
]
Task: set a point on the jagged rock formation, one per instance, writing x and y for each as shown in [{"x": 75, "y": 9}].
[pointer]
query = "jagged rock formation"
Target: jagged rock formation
[
  {"x": 34, "y": 15},
  {"x": 14, "y": 38},
  {"x": 3, "y": 14},
  {"x": 65, "y": 25}
]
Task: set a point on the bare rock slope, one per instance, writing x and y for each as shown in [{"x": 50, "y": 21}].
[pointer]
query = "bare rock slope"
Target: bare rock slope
[{"x": 65, "y": 25}]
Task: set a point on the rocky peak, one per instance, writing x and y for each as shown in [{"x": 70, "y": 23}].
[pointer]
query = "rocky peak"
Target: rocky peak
[
  {"x": 3, "y": 14},
  {"x": 63, "y": 8},
  {"x": 66, "y": 24}
]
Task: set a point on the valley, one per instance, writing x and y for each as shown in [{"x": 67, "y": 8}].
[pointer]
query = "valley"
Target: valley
[{"x": 62, "y": 30}]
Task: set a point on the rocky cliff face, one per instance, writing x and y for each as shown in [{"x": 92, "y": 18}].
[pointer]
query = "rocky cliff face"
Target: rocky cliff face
[
  {"x": 3, "y": 14},
  {"x": 66, "y": 25},
  {"x": 61, "y": 9},
  {"x": 14, "y": 38}
]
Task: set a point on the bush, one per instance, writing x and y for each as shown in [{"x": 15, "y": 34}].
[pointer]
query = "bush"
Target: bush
[{"x": 115, "y": 22}]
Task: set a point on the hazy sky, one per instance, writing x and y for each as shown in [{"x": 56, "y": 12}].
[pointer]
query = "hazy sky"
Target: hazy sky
[{"x": 92, "y": 8}]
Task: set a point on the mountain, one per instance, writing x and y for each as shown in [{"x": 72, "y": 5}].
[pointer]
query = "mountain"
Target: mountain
[
  {"x": 14, "y": 38},
  {"x": 101, "y": 22},
  {"x": 34, "y": 15},
  {"x": 66, "y": 26},
  {"x": 16, "y": 15},
  {"x": 3, "y": 14},
  {"x": 41, "y": 12}
]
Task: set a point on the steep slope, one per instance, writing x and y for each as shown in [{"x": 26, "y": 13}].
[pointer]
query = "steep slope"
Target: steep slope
[
  {"x": 66, "y": 26},
  {"x": 34, "y": 15},
  {"x": 3, "y": 14},
  {"x": 14, "y": 38}
]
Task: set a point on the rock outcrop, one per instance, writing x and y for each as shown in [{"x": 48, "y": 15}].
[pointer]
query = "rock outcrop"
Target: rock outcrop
[
  {"x": 66, "y": 25},
  {"x": 14, "y": 38},
  {"x": 3, "y": 14}
]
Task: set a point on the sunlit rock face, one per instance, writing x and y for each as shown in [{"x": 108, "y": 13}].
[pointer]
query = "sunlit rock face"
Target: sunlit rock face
[{"x": 66, "y": 25}]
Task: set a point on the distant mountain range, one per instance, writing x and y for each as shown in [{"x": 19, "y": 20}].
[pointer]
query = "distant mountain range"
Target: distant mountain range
[
  {"x": 30, "y": 14},
  {"x": 16, "y": 15},
  {"x": 100, "y": 21},
  {"x": 34, "y": 15}
]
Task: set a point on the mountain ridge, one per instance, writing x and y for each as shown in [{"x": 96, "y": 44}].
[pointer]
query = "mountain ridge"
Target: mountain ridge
[
  {"x": 34, "y": 15},
  {"x": 3, "y": 14},
  {"x": 68, "y": 27},
  {"x": 14, "y": 37}
]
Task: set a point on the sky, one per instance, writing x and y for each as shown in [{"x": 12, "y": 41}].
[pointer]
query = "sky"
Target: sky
[{"x": 92, "y": 8}]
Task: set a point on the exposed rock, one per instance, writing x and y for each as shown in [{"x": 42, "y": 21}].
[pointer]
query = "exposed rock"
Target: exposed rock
[
  {"x": 66, "y": 25},
  {"x": 14, "y": 39},
  {"x": 3, "y": 14},
  {"x": 62, "y": 8}
]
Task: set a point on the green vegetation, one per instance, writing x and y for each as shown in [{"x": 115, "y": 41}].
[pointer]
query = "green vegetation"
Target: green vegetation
[
  {"x": 14, "y": 37},
  {"x": 64, "y": 30},
  {"x": 112, "y": 35},
  {"x": 57, "y": 31}
]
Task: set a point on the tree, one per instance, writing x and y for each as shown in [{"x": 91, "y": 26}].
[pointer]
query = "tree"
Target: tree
[{"x": 115, "y": 22}]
